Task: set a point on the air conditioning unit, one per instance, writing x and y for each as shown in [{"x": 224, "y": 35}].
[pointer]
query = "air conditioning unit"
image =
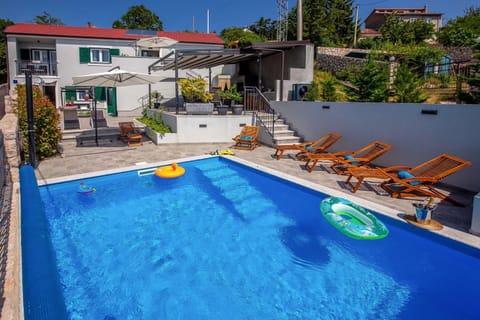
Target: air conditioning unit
[{"x": 299, "y": 90}]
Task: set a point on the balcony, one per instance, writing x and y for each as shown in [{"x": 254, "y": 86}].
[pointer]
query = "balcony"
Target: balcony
[{"x": 37, "y": 68}]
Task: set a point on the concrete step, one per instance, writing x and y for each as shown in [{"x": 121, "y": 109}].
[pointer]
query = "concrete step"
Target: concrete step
[
  {"x": 85, "y": 133},
  {"x": 286, "y": 140},
  {"x": 278, "y": 127},
  {"x": 284, "y": 133}
]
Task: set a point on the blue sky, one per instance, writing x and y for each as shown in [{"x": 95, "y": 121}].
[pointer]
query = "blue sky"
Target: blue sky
[{"x": 177, "y": 15}]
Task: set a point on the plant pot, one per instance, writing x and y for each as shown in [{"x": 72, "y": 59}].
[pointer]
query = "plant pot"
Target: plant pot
[
  {"x": 198, "y": 108},
  {"x": 237, "y": 109},
  {"x": 222, "y": 109}
]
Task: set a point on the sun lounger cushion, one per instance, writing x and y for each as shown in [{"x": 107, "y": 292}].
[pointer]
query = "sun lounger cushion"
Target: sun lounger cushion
[
  {"x": 348, "y": 157},
  {"x": 402, "y": 174},
  {"x": 246, "y": 137}
]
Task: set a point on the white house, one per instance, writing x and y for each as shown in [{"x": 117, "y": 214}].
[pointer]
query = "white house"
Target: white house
[{"x": 54, "y": 54}]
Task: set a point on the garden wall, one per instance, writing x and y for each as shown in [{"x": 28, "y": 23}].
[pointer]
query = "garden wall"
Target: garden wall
[{"x": 417, "y": 132}]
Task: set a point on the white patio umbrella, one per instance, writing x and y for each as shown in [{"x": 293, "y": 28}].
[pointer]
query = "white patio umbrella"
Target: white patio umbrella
[
  {"x": 113, "y": 78},
  {"x": 156, "y": 42}
]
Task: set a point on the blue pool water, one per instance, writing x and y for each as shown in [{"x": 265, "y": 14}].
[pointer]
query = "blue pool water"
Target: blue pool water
[{"x": 228, "y": 242}]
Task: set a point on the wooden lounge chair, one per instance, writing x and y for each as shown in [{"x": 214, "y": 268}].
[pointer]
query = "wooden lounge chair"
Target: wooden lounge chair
[
  {"x": 247, "y": 139},
  {"x": 347, "y": 159},
  {"x": 101, "y": 121},
  {"x": 317, "y": 146},
  {"x": 417, "y": 181},
  {"x": 129, "y": 134},
  {"x": 70, "y": 119}
]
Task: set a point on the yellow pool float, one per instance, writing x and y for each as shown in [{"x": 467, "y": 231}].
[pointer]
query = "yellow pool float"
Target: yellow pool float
[{"x": 171, "y": 171}]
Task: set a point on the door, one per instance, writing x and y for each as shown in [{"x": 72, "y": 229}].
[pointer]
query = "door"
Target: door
[{"x": 112, "y": 101}]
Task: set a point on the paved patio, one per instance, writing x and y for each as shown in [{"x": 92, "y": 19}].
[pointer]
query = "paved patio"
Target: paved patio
[{"x": 116, "y": 154}]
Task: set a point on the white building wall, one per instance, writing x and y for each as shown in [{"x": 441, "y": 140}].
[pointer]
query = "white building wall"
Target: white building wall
[
  {"x": 129, "y": 99},
  {"x": 415, "y": 137}
]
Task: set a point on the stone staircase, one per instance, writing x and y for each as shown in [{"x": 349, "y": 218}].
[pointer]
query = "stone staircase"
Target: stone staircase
[{"x": 282, "y": 132}]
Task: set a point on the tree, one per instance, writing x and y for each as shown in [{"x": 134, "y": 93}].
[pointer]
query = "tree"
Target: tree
[
  {"x": 341, "y": 22},
  {"x": 407, "y": 86},
  {"x": 265, "y": 28},
  {"x": 315, "y": 22},
  {"x": 462, "y": 31},
  {"x": 244, "y": 37},
  {"x": 46, "y": 18},
  {"x": 139, "y": 17},
  {"x": 398, "y": 31},
  {"x": 369, "y": 84},
  {"x": 47, "y": 122},
  {"x": 3, "y": 49}
]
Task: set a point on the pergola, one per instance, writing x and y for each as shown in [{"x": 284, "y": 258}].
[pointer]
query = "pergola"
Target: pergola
[{"x": 197, "y": 59}]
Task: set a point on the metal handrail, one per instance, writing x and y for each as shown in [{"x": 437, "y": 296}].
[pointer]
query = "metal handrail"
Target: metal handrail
[{"x": 256, "y": 102}]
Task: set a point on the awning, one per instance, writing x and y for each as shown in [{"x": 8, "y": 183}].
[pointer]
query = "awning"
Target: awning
[{"x": 205, "y": 59}]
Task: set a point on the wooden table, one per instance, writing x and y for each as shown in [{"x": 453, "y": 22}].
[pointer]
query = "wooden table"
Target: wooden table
[{"x": 361, "y": 173}]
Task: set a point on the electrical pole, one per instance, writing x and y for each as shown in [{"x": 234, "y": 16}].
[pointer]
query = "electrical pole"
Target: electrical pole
[
  {"x": 299, "y": 20},
  {"x": 356, "y": 26}
]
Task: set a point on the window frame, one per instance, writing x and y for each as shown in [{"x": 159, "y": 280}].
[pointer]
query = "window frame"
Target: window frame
[{"x": 104, "y": 56}]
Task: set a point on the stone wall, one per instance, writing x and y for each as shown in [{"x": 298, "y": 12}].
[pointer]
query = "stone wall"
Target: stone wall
[
  {"x": 11, "y": 306},
  {"x": 335, "y": 64}
]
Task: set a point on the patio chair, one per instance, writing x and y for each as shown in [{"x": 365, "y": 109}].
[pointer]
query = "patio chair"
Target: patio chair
[
  {"x": 129, "y": 134},
  {"x": 344, "y": 160},
  {"x": 101, "y": 121},
  {"x": 247, "y": 139},
  {"x": 317, "y": 146},
  {"x": 417, "y": 181},
  {"x": 70, "y": 119}
]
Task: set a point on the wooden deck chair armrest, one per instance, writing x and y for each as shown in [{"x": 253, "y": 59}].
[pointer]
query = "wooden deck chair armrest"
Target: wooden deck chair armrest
[
  {"x": 342, "y": 153},
  {"x": 236, "y": 137},
  {"x": 407, "y": 180},
  {"x": 396, "y": 168}
]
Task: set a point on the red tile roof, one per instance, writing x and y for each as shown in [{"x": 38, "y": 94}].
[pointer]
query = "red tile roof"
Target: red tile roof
[{"x": 106, "y": 33}]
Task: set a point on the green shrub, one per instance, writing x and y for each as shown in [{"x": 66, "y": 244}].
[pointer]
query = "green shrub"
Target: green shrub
[
  {"x": 158, "y": 126},
  {"x": 46, "y": 120}
]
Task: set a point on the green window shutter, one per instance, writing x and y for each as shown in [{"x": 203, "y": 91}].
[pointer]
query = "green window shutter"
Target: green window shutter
[
  {"x": 70, "y": 93},
  {"x": 84, "y": 55},
  {"x": 100, "y": 94},
  {"x": 114, "y": 52}
]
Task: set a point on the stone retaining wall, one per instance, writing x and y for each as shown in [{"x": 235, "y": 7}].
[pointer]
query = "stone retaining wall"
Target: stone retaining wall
[{"x": 10, "y": 248}]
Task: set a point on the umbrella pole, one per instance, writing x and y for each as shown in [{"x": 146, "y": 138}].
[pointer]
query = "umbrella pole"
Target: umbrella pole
[
  {"x": 95, "y": 120},
  {"x": 92, "y": 92}
]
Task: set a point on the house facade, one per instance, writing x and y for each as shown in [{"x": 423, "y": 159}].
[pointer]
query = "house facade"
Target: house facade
[
  {"x": 379, "y": 15},
  {"x": 55, "y": 54}
]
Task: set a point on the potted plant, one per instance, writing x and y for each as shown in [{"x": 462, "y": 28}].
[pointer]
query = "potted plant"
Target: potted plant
[
  {"x": 224, "y": 97},
  {"x": 234, "y": 97},
  {"x": 197, "y": 99}
]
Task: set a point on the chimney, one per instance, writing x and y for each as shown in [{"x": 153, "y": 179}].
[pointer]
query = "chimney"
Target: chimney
[{"x": 89, "y": 24}]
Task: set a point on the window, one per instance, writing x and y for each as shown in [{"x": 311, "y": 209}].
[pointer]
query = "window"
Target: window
[
  {"x": 428, "y": 20},
  {"x": 99, "y": 55},
  {"x": 39, "y": 55},
  {"x": 82, "y": 95},
  {"x": 413, "y": 19},
  {"x": 149, "y": 53}
]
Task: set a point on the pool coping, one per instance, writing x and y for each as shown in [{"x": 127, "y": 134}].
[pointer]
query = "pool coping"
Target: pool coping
[{"x": 450, "y": 233}]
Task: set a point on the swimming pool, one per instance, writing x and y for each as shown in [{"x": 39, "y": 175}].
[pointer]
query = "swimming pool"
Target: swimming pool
[{"x": 228, "y": 241}]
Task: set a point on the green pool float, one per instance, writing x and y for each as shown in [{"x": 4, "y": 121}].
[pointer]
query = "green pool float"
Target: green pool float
[{"x": 353, "y": 220}]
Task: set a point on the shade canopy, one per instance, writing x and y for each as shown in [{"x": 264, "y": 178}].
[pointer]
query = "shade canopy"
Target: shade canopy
[
  {"x": 156, "y": 42},
  {"x": 115, "y": 78}
]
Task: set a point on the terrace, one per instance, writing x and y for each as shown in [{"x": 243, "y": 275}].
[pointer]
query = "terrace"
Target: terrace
[{"x": 451, "y": 129}]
